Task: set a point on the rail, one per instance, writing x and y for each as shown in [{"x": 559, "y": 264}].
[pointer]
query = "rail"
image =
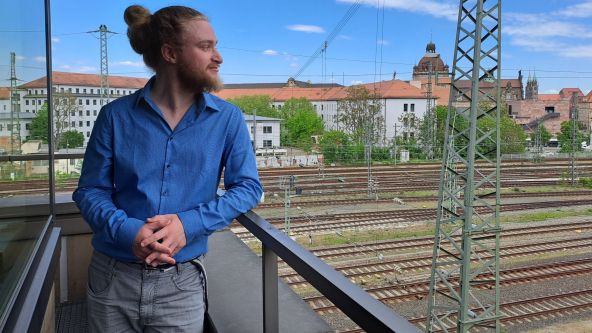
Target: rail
[{"x": 369, "y": 313}]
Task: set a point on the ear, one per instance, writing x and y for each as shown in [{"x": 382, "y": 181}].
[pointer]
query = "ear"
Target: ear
[{"x": 169, "y": 53}]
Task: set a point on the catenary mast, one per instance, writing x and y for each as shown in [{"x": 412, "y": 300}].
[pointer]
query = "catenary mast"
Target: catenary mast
[{"x": 467, "y": 241}]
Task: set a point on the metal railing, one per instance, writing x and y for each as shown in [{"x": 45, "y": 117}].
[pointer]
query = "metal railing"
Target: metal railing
[{"x": 369, "y": 313}]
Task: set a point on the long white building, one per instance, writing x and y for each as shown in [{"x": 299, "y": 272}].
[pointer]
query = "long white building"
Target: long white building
[{"x": 85, "y": 89}]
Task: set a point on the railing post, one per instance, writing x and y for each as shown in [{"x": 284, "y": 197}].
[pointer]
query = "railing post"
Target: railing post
[{"x": 270, "y": 291}]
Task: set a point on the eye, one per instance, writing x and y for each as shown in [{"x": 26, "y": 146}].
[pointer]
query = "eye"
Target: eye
[{"x": 206, "y": 46}]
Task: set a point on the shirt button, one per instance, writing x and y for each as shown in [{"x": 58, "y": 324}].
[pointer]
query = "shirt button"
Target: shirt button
[
  {"x": 164, "y": 193},
  {"x": 171, "y": 138},
  {"x": 168, "y": 166}
]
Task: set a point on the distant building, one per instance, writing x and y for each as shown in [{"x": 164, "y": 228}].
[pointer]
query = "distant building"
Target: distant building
[
  {"x": 399, "y": 100},
  {"x": 85, "y": 88},
  {"x": 268, "y": 131}
]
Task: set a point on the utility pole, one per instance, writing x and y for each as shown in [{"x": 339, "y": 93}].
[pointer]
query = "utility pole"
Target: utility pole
[
  {"x": 15, "y": 119},
  {"x": 431, "y": 121},
  {"x": 467, "y": 243},
  {"x": 368, "y": 150},
  {"x": 255, "y": 131},
  {"x": 103, "y": 31},
  {"x": 287, "y": 183},
  {"x": 575, "y": 145}
]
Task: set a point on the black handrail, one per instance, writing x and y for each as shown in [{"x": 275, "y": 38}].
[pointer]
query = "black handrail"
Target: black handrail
[{"x": 369, "y": 313}]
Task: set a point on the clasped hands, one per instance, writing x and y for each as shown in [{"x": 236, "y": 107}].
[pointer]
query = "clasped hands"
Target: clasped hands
[{"x": 159, "y": 240}]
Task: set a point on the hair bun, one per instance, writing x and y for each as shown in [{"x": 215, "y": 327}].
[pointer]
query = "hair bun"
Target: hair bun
[
  {"x": 136, "y": 15},
  {"x": 138, "y": 31}
]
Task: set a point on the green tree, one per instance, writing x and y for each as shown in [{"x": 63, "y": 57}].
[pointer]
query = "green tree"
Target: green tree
[
  {"x": 71, "y": 139},
  {"x": 543, "y": 132},
  {"x": 360, "y": 115},
  {"x": 301, "y": 122},
  {"x": 565, "y": 136},
  {"x": 64, "y": 106},
  {"x": 335, "y": 146},
  {"x": 38, "y": 129},
  {"x": 261, "y": 103}
]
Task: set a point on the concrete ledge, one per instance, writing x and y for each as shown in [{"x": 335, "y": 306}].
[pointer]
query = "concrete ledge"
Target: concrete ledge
[{"x": 236, "y": 296}]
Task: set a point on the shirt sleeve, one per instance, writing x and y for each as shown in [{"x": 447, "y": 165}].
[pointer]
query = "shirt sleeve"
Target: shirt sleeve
[
  {"x": 241, "y": 181},
  {"x": 95, "y": 188}
]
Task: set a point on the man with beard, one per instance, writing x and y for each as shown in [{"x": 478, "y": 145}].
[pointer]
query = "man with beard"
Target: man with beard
[{"x": 150, "y": 175}]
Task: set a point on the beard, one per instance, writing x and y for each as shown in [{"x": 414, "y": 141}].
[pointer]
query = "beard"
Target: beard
[{"x": 193, "y": 78}]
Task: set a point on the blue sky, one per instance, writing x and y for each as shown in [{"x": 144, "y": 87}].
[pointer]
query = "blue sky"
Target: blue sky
[{"x": 269, "y": 41}]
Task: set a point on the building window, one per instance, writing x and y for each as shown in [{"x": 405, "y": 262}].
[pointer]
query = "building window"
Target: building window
[
  {"x": 412, "y": 107},
  {"x": 70, "y": 90},
  {"x": 549, "y": 109},
  {"x": 73, "y": 124},
  {"x": 1, "y": 127},
  {"x": 80, "y": 123},
  {"x": 267, "y": 144},
  {"x": 84, "y": 90},
  {"x": 251, "y": 129},
  {"x": 36, "y": 92},
  {"x": 315, "y": 106},
  {"x": 92, "y": 91},
  {"x": 77, "y": 90},
  {"x": 94, "y": 102},
  {"x": 509, "y": 110},
  {"x": 87, "y": 101},
  {"x": 117, "y": 91},
  {"x": 88, "y": 123},
  {"x": 79, "y": 102},
  {"x": 94, "y": 112},
  {"x": 80, "y": 113},
  {"x": 28, "y": 126},
  {"x": 266, "y": 129},
  {"x": 27, "y": 102},
  {"x": 88, "y": 113},
  {"x": 87, "y": 134},
  {"x": 405, "y": 106},
  {"x": 61, "y": 90},
  {"x": 322, "y": 107}
]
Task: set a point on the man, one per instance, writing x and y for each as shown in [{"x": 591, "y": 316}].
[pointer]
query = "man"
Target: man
[{"x": 150, "y": 175}]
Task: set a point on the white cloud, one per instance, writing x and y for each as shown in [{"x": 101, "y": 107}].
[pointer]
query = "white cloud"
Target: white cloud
[
  {"x": 442, "y": 9},
  {"x": 550, "y": 91},
  {"x": 79, "y": 69},
  {"x": 19, "y": 57},
  {"x": 40, "y": 59},
  {"x": 294, "y": 65},
  {"x": 129, "y": 63},
  {"x": 583, "y": 51},
  {"x": 354, "y": 82},
  {"x": 306, "y": 28},
  {"x": 271, "y": 52},
  {"x": 531, "y": 25},
  {"x": 346, "y": 37},
  {"x": 583, "y": 9},
  {"x": 383, "y": 42},
  {"x": 55, "y": 39}
]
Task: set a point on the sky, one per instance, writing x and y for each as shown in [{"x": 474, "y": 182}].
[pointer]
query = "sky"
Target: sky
[{"x": 270, "y": 40}]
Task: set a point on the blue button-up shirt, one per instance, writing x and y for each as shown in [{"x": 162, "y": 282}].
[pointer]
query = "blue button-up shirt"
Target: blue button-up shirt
[{"x": 136, "y": 166}]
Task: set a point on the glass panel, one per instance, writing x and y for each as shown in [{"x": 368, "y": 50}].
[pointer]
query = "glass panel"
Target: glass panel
[
  {"x": 24, "y": 184},
  {"x": 23, "y": 72}
]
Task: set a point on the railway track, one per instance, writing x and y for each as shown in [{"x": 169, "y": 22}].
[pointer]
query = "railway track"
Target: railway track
[
  {"x": 417, "y": 243},
  {"x": 516, "y": 312},
  {"x": 304, "y": 225},
  {"x": 406, "y": 291},
  {"x": 344, "y": 202},
  {"x": 385, "y": 268}
]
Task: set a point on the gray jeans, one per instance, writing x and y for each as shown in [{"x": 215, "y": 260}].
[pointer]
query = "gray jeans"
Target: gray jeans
[{"x": 125, "y": 297}]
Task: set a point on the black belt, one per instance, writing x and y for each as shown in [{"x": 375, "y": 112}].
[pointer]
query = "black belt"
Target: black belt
[{"x": 162, "y": 267}]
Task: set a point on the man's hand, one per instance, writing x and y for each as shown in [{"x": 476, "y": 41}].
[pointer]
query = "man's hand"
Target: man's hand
[
  {"x": 147, "y": 230},
  {"x": 166, "y": 242}
]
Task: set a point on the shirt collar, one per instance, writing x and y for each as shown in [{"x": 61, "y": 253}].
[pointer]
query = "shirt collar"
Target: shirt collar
[{"x": 146, "y": 92}]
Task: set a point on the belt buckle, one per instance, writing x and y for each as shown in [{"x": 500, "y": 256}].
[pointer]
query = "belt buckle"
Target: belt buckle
[{"x": 160, "y": 268}]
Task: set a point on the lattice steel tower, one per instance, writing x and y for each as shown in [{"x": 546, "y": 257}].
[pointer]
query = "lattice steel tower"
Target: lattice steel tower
[
  {"x": 464, "y": 285},
  {"x": 103, "y": 36},
  {"x": 15, "y": 119},
  {"x": 575, "y": 131}
]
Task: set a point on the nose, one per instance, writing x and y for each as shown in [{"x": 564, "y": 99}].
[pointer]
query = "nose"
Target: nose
[{"x": 216, "y": 57}]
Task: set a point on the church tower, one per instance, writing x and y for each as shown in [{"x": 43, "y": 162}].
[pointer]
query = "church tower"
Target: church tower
[{"x": 532, "y": 88}]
